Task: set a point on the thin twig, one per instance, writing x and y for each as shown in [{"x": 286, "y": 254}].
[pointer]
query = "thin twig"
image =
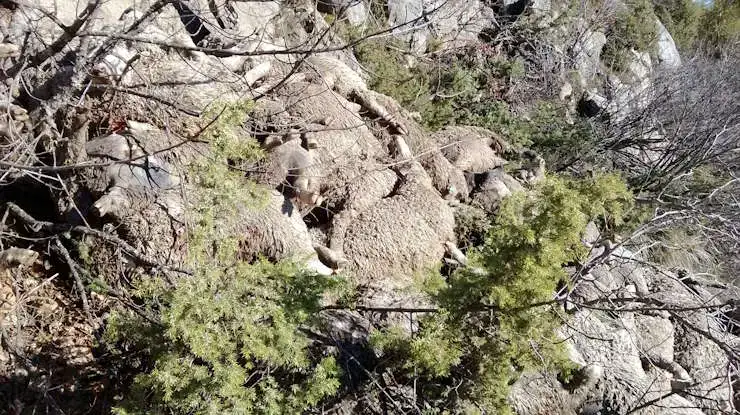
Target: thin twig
[
  {"x": 56, "y": 228},
  {"x": 78, "y": 281}
]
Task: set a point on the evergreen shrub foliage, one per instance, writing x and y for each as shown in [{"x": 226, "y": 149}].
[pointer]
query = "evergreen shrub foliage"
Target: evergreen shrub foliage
[
  {"x": 681, "y": 18},
  {"x": 226, "y": 339},
  {"x": 719, "y": 27},
  {"x": 460, "y": 90},
  {"x": 497, "y": 317},
  {"x": 634, "y": 28}
]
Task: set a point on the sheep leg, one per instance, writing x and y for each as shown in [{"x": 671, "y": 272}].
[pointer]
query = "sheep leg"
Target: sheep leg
[
  {"x": 112, "y": 202},
  {"x": 258, "y": 72},
  {"x": 339, "y": 227},
  {"x": 366, "y": 99}
]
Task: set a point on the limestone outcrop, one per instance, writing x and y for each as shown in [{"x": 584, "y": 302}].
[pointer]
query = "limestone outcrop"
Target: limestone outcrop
[{"x": 649, "y": 352}]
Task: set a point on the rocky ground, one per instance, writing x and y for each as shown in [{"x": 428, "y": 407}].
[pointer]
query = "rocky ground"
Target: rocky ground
[{"x": 356, "y": 185}]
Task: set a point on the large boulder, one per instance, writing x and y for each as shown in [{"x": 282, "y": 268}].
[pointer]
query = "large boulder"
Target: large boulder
[
  {"x": 355, "y": 11},
  {"x": 449, "y": 21},
  {"x": 625, "y": 385},
  {"x": 664, "y": 351},
  {"x": 630, "y": 90},
  {"x": 668, "y": 55},
  {"x": 641, "y": 326},
  {"x": 587, "y": 55},
  {"x": 33, "y": 17}
]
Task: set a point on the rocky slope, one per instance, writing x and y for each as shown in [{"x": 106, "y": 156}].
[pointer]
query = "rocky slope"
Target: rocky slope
[{"x": 351, "y": 176}]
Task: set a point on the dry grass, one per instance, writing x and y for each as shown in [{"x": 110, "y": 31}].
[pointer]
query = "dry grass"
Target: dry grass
[{"x": 683, "y": 248}]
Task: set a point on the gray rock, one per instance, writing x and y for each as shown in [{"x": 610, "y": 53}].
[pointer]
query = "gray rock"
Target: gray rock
[
  {"x": 591, "y": 235},
  {"x": 452, "y": 22},
  {"x": 630, "y": 91},
  {"x": 8, "y": 50},
  {"x": 495, "y": 186},
  {"x": 355, "y": 11},
  {"x": 403, "y": 12},
  {"x": 655, "y": 337},
  {"x": 587, "y": 54},
  {"x": 668, "y": 55},
  {"x": 641, "y": 66},
  {"x": 458, "y": 22},
  {"x": 541, "y": 5}
]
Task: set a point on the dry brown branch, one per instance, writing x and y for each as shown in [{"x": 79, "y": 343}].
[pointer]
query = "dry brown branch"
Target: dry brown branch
[
  {"x": 59, "y": 229},
  {"x": 78, "y": 282},
  {"x": 70, "y": 32}
]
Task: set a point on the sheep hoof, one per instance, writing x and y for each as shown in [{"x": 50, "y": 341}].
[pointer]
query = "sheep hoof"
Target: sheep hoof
[
  {"x": 332, "y": 259},
  {"x": 311, "y": 142},
  {"x": 110, "y": 203},
  {"x": 455, "y": 253}
]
